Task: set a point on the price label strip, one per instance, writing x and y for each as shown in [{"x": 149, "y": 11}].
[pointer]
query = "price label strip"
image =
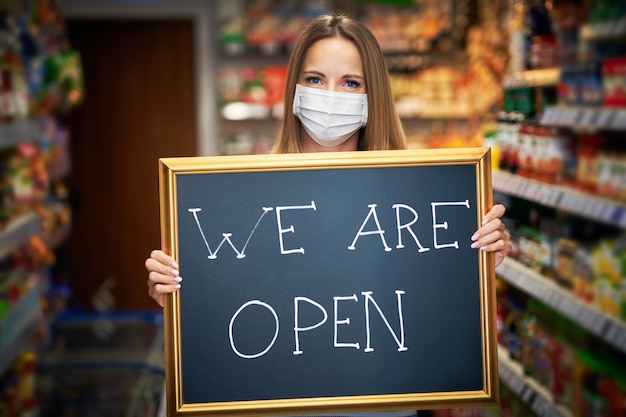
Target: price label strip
[
  {"x": 587, "y": 118},
  {"x": 619, "y": 120},
  {"x": 605, "y": 118}
]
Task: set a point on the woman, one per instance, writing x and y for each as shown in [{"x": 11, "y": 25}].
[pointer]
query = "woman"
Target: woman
[{"x": 337, "y": 98}]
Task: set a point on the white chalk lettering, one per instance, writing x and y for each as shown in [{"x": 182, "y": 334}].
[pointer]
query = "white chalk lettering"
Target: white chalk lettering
[
  {"x": 399, "y": 342},
  {"x": 370, "y": 226},
  {"x": 240, "y": 254},
  {"x": 346, "y": 321},
  {"x": 232, "y": 322},
  {"x": 407, "y": 226},
  {"x": 297, "y": 329},
  {"x": 444, "y": 225},
  {"x": 289, "y": 229},
  {"x": 379, "y": 231}
]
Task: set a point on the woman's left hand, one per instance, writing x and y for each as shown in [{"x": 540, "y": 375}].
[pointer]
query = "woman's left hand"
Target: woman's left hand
[{"x": 492, "y": 236}]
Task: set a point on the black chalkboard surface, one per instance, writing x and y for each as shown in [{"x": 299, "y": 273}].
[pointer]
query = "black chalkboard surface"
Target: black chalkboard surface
[{"x": 328, "y": 282}]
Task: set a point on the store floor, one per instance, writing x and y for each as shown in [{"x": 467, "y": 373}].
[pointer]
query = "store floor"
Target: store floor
[{"x": 102, "y": 366}]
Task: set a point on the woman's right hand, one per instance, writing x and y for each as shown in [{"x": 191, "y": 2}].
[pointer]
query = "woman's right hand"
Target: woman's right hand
[{"x": 163, "y": 275}]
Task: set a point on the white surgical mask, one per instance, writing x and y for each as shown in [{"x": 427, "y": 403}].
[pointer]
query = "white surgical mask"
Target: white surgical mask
[{"x": 329, "y": 117}]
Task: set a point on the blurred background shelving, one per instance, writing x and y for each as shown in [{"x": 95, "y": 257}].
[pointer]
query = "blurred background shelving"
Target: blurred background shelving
[
  {"x": 444, "y": 69},
  {"x": 559, "y": 145},
  {"x": 540, "y": 82}
]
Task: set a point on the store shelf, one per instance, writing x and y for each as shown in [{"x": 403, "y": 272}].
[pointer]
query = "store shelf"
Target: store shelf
[
  {"x": 530, "y": 391},
  {"x": 18, "y": 327},
  {"x": 18, "y": 232},
  {"x": 607, "y": 328},
  {"x": 568, "y": 199},
  {"x": 581, "y": 118},
  {"x": 533, "y": 78},
  {"x": 417, "y": 107},
  {"x": 14, "y": 133},
  {"x": 604, "y": 30}
]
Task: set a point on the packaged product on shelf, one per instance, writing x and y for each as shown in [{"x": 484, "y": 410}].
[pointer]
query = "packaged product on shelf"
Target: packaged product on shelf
[
  {"x": 253, "y": 86},
  {"x": 537, "y": 152},
  {"x": 568, "y": 87},
  {"x": 563, "y": 360},
  {"x": 550, "y": 230},
  {"x": 543, "y": 52},
  {"x": 554, "y": 152},
  {"x": 587, "y": 152},
  {"x": 602, "y": 388},
  {"x": 524, "y": 101},
  {"x": 261, "y": 33},
  {"x": 569, "y": 172},
  {"x": 539, "y": 32},
  {"x": 9, "y": 293},
  {"x": 274, "y": 79},
  {"x": 609, "y": 267},
  {"x": 611, "y": 175},
  {"x": 528, "y": 155},
  {"x": 614, "y": 81},
  {"x": 231, "y": 37},
  {"x": 581, "y": 376},
  {"x": 592, "y": 93},
  {"x": 611, "y": 168},
  {"x": 13, "y": 91},
  {"x": 582, "y": 279},
  {"x": 619, "y": 180},
  {"x": 565, "y": 259},
  {"x": 507, "y": 138},
  {"x": 268, "y": 28},
  {"x": 529, "y": 247},
  {"x": 530, "y": 334},
  {"x": 25, "y": 370}
]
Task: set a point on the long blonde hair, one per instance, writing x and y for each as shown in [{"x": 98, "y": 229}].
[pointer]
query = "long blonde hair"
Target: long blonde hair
[{"x": 384, "y": 129}]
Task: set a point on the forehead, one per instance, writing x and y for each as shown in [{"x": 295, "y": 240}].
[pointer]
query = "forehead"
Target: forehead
[{"x": 336, "y": 52}]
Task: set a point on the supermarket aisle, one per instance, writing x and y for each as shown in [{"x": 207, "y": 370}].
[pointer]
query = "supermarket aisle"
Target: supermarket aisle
[{"x": 561, "y": 298}]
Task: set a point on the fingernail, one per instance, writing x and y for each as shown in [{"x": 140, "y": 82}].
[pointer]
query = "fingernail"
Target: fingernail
[
  {"x": 178, "y": 279},
  {"x": 485, "y": 221},
  {"x": 474, "y": 245},
  {"x": 484, "y": 248},
  {"x": 174, "y": 272},
  {"x": 177, "y": 286},
  {"x": 475, "y": 236},
  {"x": 174, "y": 265}
]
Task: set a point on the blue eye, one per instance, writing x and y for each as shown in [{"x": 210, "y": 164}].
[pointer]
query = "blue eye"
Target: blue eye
[
  {"x": 353, "y": 84},
  {"x": 313, "y": 80}
]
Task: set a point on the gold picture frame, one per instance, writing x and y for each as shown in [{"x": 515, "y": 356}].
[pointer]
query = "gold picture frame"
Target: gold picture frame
[{"x": 451, "y": 167}]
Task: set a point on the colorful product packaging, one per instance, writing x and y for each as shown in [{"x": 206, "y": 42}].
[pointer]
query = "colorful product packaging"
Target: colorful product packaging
[{"x": 614, "y": 81}]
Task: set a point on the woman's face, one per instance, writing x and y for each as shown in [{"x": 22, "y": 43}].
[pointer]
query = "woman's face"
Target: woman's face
[{"x": 332, "y": 64}]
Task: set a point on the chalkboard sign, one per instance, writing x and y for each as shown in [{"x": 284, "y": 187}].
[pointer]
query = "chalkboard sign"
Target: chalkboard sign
[{"x": 328, "y": 283}]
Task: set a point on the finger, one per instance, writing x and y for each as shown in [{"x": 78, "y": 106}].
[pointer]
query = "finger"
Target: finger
[
  {"x": 496, "y": 212},
  {"x": 153, "y": 265},
  {"x": 495, "y": 225},
  {"x": 156, "y": 278},
  {"x": 491, "y": 242},
  {"x": 163, "y": 258},
  {"x": 157, "y": 293},
  {"x": 158, "y": 290}
]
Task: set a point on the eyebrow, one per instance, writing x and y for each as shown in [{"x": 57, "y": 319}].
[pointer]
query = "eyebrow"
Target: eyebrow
[{"x": 345, "y": 76}]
